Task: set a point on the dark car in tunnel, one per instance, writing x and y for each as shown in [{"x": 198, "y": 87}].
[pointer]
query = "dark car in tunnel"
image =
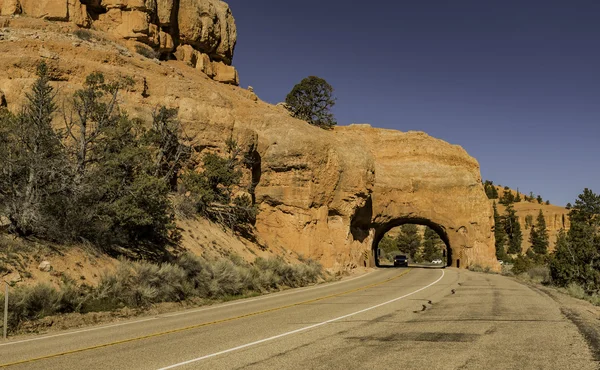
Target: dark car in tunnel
[{"x": 400, "y": 260}]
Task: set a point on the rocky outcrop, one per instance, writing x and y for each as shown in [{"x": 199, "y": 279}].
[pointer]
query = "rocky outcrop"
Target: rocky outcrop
[
  {"x": 181, "y": 28},
  {"x": 209, "y": 27},
  {"x": 325, "y": 194}
]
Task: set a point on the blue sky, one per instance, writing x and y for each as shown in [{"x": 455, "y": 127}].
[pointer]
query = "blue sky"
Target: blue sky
[{"x": 515, "y": 83}]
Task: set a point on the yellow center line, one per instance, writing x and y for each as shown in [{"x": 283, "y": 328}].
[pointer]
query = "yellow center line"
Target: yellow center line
[{"x": 201, "y": 325}]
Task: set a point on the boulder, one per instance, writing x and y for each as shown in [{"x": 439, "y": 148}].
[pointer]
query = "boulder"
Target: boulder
[
  {"x": 45, "y": 266},
  {"x": 204, "y": 64},
  {"x": 225, "y": 74},
  {"x": 186, "y": 54},
  {"x": 165, "y": 42}
]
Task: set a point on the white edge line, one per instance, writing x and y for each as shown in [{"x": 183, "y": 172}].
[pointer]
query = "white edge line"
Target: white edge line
[
  {"x": 186, "y": 312},
  {"x": 299, "y": 330}
]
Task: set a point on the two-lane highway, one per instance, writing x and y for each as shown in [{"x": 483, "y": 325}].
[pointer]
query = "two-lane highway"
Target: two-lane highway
[{"x": 390, "y": 318}]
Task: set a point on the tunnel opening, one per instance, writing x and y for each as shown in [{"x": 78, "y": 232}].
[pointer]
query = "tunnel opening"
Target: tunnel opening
[{"x": 424, "y": 242}]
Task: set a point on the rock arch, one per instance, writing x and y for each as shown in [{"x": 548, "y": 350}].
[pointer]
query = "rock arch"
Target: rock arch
[
  {"x": 346, "y": 188},
  {"x": 433, "y": 183}
]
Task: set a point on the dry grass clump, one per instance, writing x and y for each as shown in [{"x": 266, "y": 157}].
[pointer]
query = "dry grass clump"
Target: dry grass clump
[
  {"x": 577, "y": 291},
  {"x": 147, "y": 52},
  {"x": 83, "y": 34},
  {"x": 478, "y": 268}
]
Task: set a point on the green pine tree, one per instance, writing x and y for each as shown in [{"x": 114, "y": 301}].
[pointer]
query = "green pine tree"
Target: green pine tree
[
  {"x": 432, "y": 244},
  {"x": 577, "y": 257},
  {"x": 34, "y": 177},
  {"x": 311, "y": 100},
  {"x": 490, "y": 190},
  {"x": 388, "y": 246},
  {"x": 409, "y": 240},
  {"x": 507, "y": 196},
  {"x": 513, "y": 230},
  {"x": 499, "y": 234},
  {"x": 539, "y": 235}
]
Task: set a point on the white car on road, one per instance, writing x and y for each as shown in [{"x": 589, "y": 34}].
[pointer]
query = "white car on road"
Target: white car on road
[{"x": 438, "y": 261}]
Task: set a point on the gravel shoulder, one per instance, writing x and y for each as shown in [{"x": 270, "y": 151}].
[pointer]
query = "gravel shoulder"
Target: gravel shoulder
[{"x": 582, "y": 313}]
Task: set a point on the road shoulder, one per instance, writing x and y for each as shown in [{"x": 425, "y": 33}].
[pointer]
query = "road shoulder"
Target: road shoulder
[{"x": 583, "y": 314}]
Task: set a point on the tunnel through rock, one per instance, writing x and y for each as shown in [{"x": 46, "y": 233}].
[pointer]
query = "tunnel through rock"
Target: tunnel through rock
[{"x": 422, "y": 240}]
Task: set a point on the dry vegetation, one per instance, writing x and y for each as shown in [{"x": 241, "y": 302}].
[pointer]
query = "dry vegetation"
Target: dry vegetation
[{"x": 141, "y": 284}]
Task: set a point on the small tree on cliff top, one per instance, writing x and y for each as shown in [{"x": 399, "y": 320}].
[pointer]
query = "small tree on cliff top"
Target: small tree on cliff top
[{"x": 311, "y": 100}]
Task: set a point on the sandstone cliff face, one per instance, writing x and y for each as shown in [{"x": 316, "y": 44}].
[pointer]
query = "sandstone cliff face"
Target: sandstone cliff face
[
  {"x": 328, "y": 195},
  {"x": 204, "y": 28}
]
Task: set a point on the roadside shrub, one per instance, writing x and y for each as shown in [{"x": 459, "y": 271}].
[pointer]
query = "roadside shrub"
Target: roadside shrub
[
  {"x": 291, "y": 275},
  {"x": 72, "y": 297},
  {"x": 539, "y": 274},
  {"x": 507, "y": 269},
  {"x": 575, "y": 290},
  {"x": 197, "y": 273},
  {"x": 31, "y": 303},
  {"x": 268, "y": 279},
  {"x": 521, "y": 264},
  {"x": 225, "y": 279},
  {"x": 141, "y": 284},
  {"x": 475, "y": 268}
]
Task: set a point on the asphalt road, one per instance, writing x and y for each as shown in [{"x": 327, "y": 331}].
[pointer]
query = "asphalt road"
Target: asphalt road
[{"x": 417, "y": 318}]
